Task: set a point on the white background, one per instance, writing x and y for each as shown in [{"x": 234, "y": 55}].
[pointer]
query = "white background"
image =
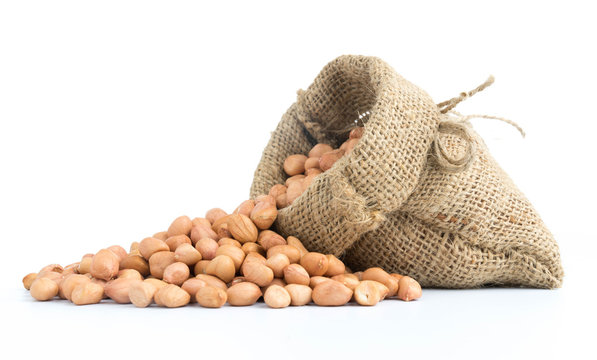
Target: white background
[{"x": 117, "y": 116}]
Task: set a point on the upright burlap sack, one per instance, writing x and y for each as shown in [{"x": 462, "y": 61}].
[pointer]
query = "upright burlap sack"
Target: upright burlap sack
[{"x": 419, "y": 194}]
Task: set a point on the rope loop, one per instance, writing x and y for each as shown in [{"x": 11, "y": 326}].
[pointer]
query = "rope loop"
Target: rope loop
[{"x": 456, "y": 125}]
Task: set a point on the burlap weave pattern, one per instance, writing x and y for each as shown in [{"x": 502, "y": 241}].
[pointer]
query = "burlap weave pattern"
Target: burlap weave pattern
[{"x": 389, "y": 203}]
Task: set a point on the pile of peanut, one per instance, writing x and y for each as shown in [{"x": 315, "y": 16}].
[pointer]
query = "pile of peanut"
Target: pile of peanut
[
  {"x": 302, "y": 169},
  {"x": 233, "y": 258}
]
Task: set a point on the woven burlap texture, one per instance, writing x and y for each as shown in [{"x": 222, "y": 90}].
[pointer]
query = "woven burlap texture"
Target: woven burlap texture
[{"x": 389, "y": 203}]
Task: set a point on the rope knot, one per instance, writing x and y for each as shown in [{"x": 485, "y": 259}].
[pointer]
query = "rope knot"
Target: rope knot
[{"x": 456, "y": 125}]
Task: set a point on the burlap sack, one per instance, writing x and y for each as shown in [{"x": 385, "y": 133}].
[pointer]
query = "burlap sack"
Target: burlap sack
[{"x": 419, "y": 194}]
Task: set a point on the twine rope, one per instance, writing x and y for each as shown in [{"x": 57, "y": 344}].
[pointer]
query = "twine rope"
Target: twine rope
[
  {"x": 448, "y": 105},
  {"x": 457, "y": 125}
]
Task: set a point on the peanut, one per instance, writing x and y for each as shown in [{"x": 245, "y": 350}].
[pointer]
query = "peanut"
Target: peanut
[
  {"x": 327, "y": 160},
  {"x": 383, "y": 290},
  {"x": 296, "y": 274},
  {"x": 242, "y": 228},
  {"x": 85, "y": 265},
  {"x": 104, "y": 265},
  {"x": 253, "y": 247},
  {"x": 312, "y": 163},
  {"x": 212, "y": 281},
  {"x": 281, "y": 201},
  {"x": 293, "y": 241},
  {"x": 379, "y": 275},
  {"x": 331, "y": 293},
  {"x": 52, "y": 267},
  {"x": 348, "y": 145},
  {"x": 160, "y": 261},
  {"x": 299, "y": 294},
  {"x": 236, "y": 280},
  {"x": 257, "y": 273},
  {"x": 135, "y": 262},
  {"x": 319, "y": 150},
  {"x": 269, "y": 199},
  {"x": 141, "y": 293},
  {"x": 70, "y": 282},
  {"x": 315, "y": 263},
  {"x": 118, "y": 290},
  {"x": 255, "y": 257},
  {"x": 223, "y": 232},
  {"x": 214, "y": 214},
  {"x": 235, "y": 253},
  {"x": 396, "y": 276},
  {"x": 175, "y": 241},
  {"x": 243, "y": 294},
  {"x": 151, "y": 245},
  {"x": 211, "y": 297},
  {"x": 277, "y": 263},
  {"x": 52, "y": 275},
  {"x": 229, "y": 241},
  {"x": 162, "y": 235},
  {"x": 276, "y": 297},
  {"x": 200, "y": 222},
  {"x": 180, "y": 226},
  {"x": 311, "y": 173},
  {"x": 99, "y": 282},
  {"x": 349, "y": 280},
  {"x": 129, "y": 274},
  {"x": 367, "y": 293},
  {"x": 118, "y": 250},
  {"x": 295, "y": 189},
  {"x": 187, "y": 254},
  {"x": 264, "y": 214},
  {"x": 293, "y": 254},
  {"x": 156, "y": 282},
  {"x": 356, "y": 133},
  {"x": 277, "y": 190},
  {"x": 296, "y": 178},
  {"x": 28, "y": 280},
  {"x": 87, "y": 293},
  {"x": 268, "y": 239},
  {"x": 70, "y": 269},
  {"x": 193, "y": 285},
  {"x": 222, "y": 266},
  {"x": 335, "y": 266},
  {"x": 409, "y": 289},
  {"x": 219, "y": 223},
  {"x": 316, "y": 280},
  {"x": 308, "y": 180},
  {"x": 245, "y": 208},
  {"x": 201, "y": 231},
  {"x": 295, "y": 164},
  {"x": 43, "y": 289},
  {"x": 172, "y": 296},
  {"x": 176, "y": 273},
  {"x": 207, "y": 248},
  {"x": 275, "y": 281},
  {"x": 200, "y": 267}
]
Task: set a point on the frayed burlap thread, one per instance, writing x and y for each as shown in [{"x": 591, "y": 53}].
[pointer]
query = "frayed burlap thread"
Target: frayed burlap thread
[{"x": 419, "y": 194}]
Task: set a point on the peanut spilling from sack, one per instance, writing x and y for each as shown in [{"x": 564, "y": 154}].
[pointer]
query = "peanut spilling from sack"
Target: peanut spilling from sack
[
  {"x": 303, "y": 169},
  {"x": 227, "y": 258},
  {"x": 222, "y": 258}
]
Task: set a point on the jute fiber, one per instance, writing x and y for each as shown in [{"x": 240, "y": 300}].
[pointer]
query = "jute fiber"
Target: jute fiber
[{"x": 418, "y": 195}]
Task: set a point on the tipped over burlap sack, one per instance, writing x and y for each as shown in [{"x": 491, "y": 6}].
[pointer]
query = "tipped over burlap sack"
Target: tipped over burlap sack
[{"x": 419, "y": 194}]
